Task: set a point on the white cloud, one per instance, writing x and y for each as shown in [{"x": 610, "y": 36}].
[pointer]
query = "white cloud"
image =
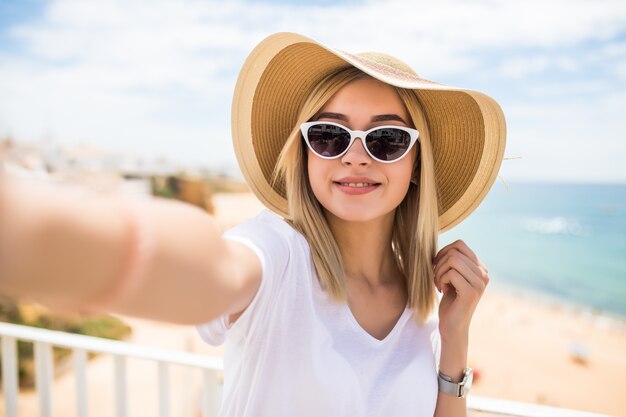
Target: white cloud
[
  {"x": 580, "y": 140},
  {"x": 464, "y": 25},
  {"x": 620, "y": 69},
  {"x": 525, "y": 66},
  {"x": 557, "y": 90},
  {"x": 614, "y": 49},
  {"x": 157, "y": 76}
]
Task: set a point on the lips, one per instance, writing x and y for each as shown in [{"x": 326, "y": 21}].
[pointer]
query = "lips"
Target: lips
[
  {"x": 356, "y": 185},
  {"x": 357, "y": 182}
]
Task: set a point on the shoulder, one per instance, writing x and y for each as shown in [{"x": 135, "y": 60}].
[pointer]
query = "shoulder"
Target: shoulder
[
  {"x": 266, "y": 228},
  {"x": 277, "y": 223},
  {"x": 265, "y": 221},
  {"x": 273, "y": 239}
]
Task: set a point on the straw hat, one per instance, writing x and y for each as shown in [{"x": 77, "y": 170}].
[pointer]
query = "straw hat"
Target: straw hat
[{"x": 467, "y": 128}]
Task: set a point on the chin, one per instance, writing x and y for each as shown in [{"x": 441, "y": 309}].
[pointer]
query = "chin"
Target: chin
[{"x": 357, "y": 213}]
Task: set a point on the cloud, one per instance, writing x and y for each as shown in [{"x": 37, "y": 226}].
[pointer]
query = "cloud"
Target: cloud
[
  {"x": 524, "y": 66},
  {"x": 620, "y": 69},
  {"x": 576, "y": 141},
  {"x": 156, "y": 77}
]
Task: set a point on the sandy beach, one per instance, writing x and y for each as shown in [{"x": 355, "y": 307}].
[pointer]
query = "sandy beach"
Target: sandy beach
[{"x": 522, "y": 347}]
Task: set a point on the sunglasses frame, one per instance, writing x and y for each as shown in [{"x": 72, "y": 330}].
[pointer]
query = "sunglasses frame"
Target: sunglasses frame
[{"x": 361, "y": 134}]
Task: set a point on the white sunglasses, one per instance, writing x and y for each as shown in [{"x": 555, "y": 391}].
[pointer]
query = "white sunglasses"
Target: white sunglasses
[{"x": 384, "y": 144}]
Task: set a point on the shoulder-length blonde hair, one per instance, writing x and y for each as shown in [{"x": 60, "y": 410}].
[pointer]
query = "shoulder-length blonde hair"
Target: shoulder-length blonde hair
[{"x": 415, "y": 227}]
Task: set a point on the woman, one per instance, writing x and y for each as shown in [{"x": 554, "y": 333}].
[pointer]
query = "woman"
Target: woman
[{"x": 329, "y": 311}]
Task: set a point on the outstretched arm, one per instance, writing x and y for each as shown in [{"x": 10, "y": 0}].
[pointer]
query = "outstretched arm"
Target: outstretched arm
[{"x": 73, "y": 251}]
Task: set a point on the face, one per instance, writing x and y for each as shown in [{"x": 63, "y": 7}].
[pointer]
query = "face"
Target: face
[{"x": 361, "y": 105}]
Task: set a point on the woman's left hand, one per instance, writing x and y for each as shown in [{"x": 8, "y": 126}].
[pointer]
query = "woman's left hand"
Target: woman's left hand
[{"x": 463, "y": 278}]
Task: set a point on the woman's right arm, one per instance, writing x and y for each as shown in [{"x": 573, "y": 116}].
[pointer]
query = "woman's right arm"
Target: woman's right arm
[{"x": 66, "y": 249}]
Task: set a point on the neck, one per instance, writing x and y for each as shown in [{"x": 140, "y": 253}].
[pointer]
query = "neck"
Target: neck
[{"x": 366, "y": 250}]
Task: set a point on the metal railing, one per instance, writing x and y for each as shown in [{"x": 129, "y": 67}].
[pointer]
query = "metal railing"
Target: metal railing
[{"x": 80, "y": 345}]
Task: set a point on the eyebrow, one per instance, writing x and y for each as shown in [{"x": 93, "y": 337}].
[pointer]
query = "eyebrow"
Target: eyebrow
[{"x": 378, "y": 118}]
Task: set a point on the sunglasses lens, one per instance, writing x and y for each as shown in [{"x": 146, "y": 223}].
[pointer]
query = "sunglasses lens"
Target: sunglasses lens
[
  {"x": 388, "y": 144},
  {"x": 328, "y": 140}
]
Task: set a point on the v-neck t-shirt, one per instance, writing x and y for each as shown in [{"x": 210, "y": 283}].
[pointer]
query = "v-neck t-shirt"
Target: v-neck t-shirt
[{"x": 296, "y": 352}]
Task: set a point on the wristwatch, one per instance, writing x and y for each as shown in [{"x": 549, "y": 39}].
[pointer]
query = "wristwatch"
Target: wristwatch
[{"x": 459, "y": 389}]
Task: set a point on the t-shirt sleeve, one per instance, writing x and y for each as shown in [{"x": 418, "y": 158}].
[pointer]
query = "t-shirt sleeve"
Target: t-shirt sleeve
[{"x": 268, "y": 241}]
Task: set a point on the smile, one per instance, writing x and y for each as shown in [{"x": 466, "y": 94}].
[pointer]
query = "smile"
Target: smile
[
  {"x": 356, "y": 188},
  {"x": 357, "y": 184}
]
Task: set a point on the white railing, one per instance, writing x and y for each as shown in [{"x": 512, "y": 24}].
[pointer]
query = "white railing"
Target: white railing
[
  {"x": 80, "y": 345},
  {"x": 496, "y": 407},
  {"x": 44, "y": 340}
]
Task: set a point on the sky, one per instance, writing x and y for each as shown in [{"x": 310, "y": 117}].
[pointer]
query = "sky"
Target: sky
[{"x": 155, "y": 78}]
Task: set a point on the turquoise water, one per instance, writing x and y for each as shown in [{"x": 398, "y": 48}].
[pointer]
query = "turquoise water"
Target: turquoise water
[{"x": 565, "y": 241}]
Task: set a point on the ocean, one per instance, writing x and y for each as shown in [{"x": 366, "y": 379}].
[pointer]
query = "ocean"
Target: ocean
[{"x": 565, "y": 242}]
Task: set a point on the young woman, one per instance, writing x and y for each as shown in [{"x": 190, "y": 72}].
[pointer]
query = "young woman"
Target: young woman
[{"x": 328, "y": 306}]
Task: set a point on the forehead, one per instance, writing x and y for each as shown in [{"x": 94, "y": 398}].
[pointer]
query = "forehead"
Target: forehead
[{"x": 365, "y": 97}]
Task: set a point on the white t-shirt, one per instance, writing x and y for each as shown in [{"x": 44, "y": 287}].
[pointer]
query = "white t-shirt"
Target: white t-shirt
[{"x": 295, "y": 353}]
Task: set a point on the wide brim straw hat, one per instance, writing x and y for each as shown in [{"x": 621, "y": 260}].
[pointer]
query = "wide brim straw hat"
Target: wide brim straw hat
[{"x": 467, "y": 128}]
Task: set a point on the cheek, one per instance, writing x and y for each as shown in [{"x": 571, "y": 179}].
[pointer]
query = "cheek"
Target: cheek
[
  {"x": 401, "y": 178},
  {"x": 317, "y": 174},
  {"x": 403, "y": 171}
]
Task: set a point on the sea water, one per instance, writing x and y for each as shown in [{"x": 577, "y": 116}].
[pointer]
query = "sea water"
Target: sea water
[{"x": 564, "y": 241}]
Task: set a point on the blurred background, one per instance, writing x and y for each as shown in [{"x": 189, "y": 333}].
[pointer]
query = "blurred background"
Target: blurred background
[{"x": 136, "y": 96}]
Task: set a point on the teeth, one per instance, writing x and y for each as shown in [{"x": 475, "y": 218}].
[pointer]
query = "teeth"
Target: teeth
[{"x": 356, "y": 184}]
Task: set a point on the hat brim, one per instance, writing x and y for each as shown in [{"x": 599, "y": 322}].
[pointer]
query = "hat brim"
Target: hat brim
[{"x": 467, "y": 128}]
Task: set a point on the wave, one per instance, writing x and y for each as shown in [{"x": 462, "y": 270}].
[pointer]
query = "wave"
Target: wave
[{"x": 552, "y": 226}]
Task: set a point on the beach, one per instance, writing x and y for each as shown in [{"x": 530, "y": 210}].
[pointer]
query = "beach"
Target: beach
[{"x": 522, "y": 347}]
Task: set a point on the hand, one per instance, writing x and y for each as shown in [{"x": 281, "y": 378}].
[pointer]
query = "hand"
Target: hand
[{"x": 462, "y": 278}]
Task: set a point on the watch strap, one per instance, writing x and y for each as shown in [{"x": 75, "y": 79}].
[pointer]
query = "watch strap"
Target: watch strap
[{"x": 456, "y": 389}]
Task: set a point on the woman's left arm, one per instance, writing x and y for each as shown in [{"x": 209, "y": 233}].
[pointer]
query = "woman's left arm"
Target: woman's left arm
[{"x": 462, "y": 278}]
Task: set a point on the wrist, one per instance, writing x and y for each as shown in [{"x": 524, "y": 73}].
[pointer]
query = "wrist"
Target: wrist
[
  {"x": 453, "y": 360},
  {"x": 457, "y": 338}
]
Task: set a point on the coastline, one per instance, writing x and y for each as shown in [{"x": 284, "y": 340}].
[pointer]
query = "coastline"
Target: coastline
[{"x": 602, "y": 318}]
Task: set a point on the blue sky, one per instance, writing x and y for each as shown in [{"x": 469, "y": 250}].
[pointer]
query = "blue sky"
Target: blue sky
[{"x": 155, "y": 78}]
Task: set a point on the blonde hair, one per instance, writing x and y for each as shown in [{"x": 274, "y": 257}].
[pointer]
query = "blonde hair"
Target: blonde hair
[{"x": 415, "y": 227}]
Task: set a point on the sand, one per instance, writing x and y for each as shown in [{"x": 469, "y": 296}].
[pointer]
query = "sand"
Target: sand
[
  {"x": 523, "y": 347},
  {"x": 526, "y": 350}
]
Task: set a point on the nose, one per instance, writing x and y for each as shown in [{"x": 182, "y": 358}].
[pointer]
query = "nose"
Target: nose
[{"x": 356, "y": 154}]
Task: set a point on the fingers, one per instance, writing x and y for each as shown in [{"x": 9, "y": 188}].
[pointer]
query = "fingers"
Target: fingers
[
  {"x": 455, "y": 281},
  {"x": 464, "y": 249},
  {"x": 458, "y": 283},
  {"x": 454, "y": 258},
  {"x": 475, "y": 274},
  {"x": 470, "y": 273}
]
